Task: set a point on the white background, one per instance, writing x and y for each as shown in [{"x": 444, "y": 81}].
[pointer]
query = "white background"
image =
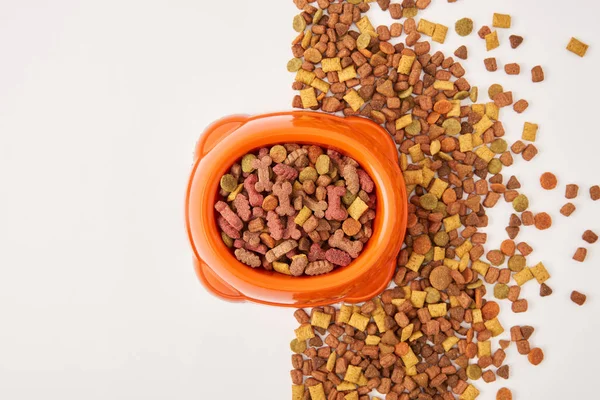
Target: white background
[{"x": 101, "y": 103}]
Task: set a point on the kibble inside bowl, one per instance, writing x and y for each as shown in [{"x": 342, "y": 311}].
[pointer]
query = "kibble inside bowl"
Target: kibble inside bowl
[{"x": 296, "y": 209}]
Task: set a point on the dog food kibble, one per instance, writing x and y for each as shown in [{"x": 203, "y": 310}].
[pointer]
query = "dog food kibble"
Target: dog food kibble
[
  {"x": 512, "y": 69},
  {"x": 578, "y": 298},
  {"x": 548, "y": 180},
  {"x": 543, "y": 221},
  {"x": 297, "y": 210},
  {"x": 595, "y": 192},
  {"x": 520, "y": 203},
  {"x": 545, "y": 290},
  {"x": 501, "y": 21},
  {"x": 567, "y": 209},
  {"x": 515, "y": 41},
  {"x": 571, "y": 191},
  {"x": 535, "y": 356},
  {"x": 580, "y": 254},
  {"x": 462, "y": 52},
  {"x": 491, "y": 41},
  {"x": 577, "y": 47},
  {"x": 537, "y": 74},
  {"x": 589, "y": 236},
  {"x": 504, "y": 394},
  {"x": 520, "y": 106},
  {"x": 464, "y": 26},
  {"x": 490, "y": 64}
]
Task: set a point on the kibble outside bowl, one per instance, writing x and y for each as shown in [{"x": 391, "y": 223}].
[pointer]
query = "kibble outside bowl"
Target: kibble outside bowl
[{"x": 227, "y": 140}]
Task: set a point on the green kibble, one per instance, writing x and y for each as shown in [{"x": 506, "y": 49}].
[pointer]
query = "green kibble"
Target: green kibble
[
  {"x": 520, "y": 203},
  {"x": 297, "y": 346},
  {"x": 429, "y": 201},
  {"x": 414, "y": 128},
  {"x": 461, "y": 95},
  {"x": 247, "y": 163},
  {"x": 433, "y": 295},
  {"x": 464, "y": 26},
  {"x": 495, "y": 166},
  {"x": 294, "y": 65},
  {"x": 474, "y": 372},
  {"x": 499, "y": 146},
  {"x": 516, "y": 263},
  {"x": 323, "y": 164},
  {"x": 501, "y": 291},
  {"x": 299, "y": 23},
  {"x": 452, "y": 126},
  {"x": 228, "y": 183},
  {"x": 227, "y": 240},
  {"x": 442, "y": 209},
  {"x": 441, "y": 239},
  {"x": 428, "y": 256},
  {"x": 348, "y": 198},
  {"x": 308, "y": 174}
]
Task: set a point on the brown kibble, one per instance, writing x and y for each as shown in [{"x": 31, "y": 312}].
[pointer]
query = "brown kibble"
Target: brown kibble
[
  {"x": 504, "y": 394},
  {"x": 512, "y": 69},
  {"x": 523, "y": 347},
  {"x": 530, "y": 152},
  {"x": 520, "y": 106},
  {"x": 484, "y": 31},
  {"x": 589, "y": 236},
  {"x": 527, "y": 218},
  {"x": 518, "y": 147},
  {"x": 520, "y": 306},
  {"x": 536, "y": 356},
  {"x": 571, "y": 191},
  {"x": 578, "y": 298},
  {"x": 537, "y": 74},
  {"x": 595, "y": 192},
  {"x": 490, "y": 310},
  {"x": 503, "y": 371},
  {"x": 545, "y": 290},
  {"x": 567, "y": 209},
  {"x": 491, "y": 64},
  {"x": 548, "y": 180},
  {"x": 580, "y": 254},
  {"x": 351, "y": 227},
  {"x": 462, "y": 52},
  {"x": 440, "y": 277},
  {"x": 515, "y": 41},
  {"x": 543, "y": 221}
]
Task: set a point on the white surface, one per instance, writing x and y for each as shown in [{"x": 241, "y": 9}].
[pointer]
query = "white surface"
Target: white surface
[{"x": 100, "y": 105}]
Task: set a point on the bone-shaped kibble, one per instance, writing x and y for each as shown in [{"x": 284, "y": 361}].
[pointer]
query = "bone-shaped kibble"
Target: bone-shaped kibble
[
  {"x": 252, "y": 238},
  {"x": 340, "y": 242},
  {"x": 318, "y": 268},
  {"x": 275, "y": 225},
  {"x": 317, "y": 207},
  {"x": 262, "y": 166},
  {"x": 280, "y": 250},
  {"x": 227, "y": 213},
  {"x": 254, "y": 197},
  {"x": 298, "y": 265},
  {"x": 338, "y": 257},
  {"x": 294, "y": 155},
  {"x": 337, "y": 159},
  {"x": 242, "y": 206},
  {"x": 335, "y": 211},
  {"x": 285, "y": 172},
  {"x": 291, "y": 230},
  {"x": 351, "y": 178},
  {"x": 263, "y": 152},
  {"x": 366, "y": 183},
  {"x": 283, "y": 191},
  {"x": 248, "y": 258},
  {"x": 316, "y": 253}
]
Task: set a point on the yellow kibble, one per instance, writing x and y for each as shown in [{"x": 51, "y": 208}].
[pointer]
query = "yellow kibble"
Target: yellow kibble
[
  {"x": 540, "y": 273},
  {"x": 426, "y": 27},
  {"x": 485, "y": 153},
  {"x": 483, "y": 125},
  {"x": 345, "y": 386},
  {"x": 470, "y": 393},
  {"x": 305, "y": 77},
  {"x": 331, "y": 64},
  {"x": 320, "y": 85},
  {"x": 331, "y": 361},
  {"x": 357, "y": 208},
  {"x": 413, "y": 177},
  {"x": 353, "y": 374},
  {"x": 530, "y": 131},
  {"x": 347, "y": 73},
  {"x": 282, "y": 268},
  {"x": 380, "y": 322},
  {"x": 494, "y": 326},
  {"x": 443, "y": 85},
  {"x": 320, "y": 319},
  {"x": 303, "y": 215},
  {"x": 317, "y": 392},
  {"x": 439, "y": 34},
  {"x": 297, "y": 392},
  {"x": 417, "y": 298},
  {"x": 415, "y": 261},
  {"x": 523, "y": 276},
  {"x": 364, "y": 26},
  {"x": 358, "y": 321},
  {"x": 372, "y": 340},
  {"x": 404, "y": 121},
  {"x": 501, "y": 21},
  {"x": 484, "y": 348},
  {"x": 309, "y": 98},
  {"x": 405, "y": 64},
  {"x": 304, "y": 332},
  {"x": 491, "y": 41},
  {"x": 437, "y": 310},
  {"x": 344, "y": 315},
  {"x": 465, "y": 142},
  {"x": 354, "y": 100},
  {"x": 449, "y": 342},
  {"x": 578, "y": 47},
  {"x": 438, "y": 188},
  {"x": 452, "y": 223},
  {"x": 480, "y": 267}
]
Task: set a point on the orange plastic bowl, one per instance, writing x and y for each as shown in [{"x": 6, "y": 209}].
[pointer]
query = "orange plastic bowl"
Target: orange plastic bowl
[{"x": 228, "y": 140}]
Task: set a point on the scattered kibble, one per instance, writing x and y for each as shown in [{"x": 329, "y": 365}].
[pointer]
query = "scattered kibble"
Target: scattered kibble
[
  {"x": 512, "y": 69},
  {"x": 578, "y": 298},
  {"x": 491, "y": 41},
  {"x": 515, "y": 41},
  {"x": 548, "y": 181},
  {"x": 571, "y": 191},
  {"x": 580, "y": 254},
  {"x": 577, "y": 47},
  {"x": 462, "y": 52},
  {"x": 543, "y": 221},
  {"x": 490, "y": 64},
  {"x": 501, "y": 21},
  {"x": 589, "y": 237},
  {"x": 545, "y": 290},
  {"x": 535, "y": 356},
  {"x": 520, "y": 203},
  {"x": 464, "y": 26},
  {"x": 567, "y": 209},
  {"x": 537, "y": 74},
  {"x": 520, "y": 106},
  {"x": 484, "y": 31},
  {"x": 504, "y": 394},
  {"x": 595, "y": 192}
]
